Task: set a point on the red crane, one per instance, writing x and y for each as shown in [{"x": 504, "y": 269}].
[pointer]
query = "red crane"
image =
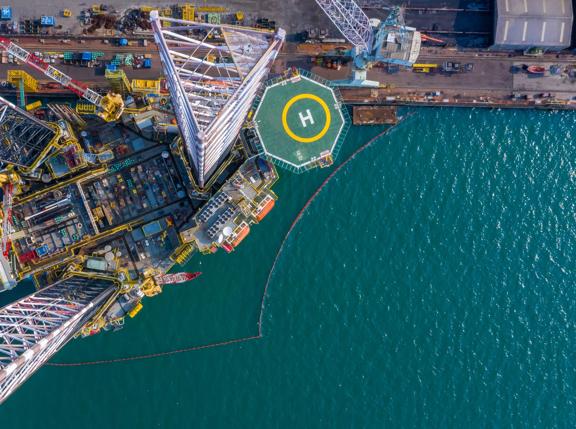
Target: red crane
[
  {"x": 426, "y": 38},
  {"x": 111, "y": 105},
  {"x": 165, "y": 279}
]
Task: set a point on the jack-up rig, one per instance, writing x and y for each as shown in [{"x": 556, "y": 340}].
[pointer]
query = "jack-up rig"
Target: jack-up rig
[
  {"x": 96, "y": 209},
  {"x": 99, "y": 203}
]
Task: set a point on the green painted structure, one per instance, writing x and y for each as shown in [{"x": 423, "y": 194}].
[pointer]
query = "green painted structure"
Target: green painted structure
[{"x": 301, "y": 122}]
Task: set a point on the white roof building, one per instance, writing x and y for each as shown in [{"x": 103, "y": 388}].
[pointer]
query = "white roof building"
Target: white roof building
[{"x": 522, "y": 24}]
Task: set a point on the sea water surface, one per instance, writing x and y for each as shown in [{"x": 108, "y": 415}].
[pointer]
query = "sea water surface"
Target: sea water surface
[{"x": 430, "y": 284}]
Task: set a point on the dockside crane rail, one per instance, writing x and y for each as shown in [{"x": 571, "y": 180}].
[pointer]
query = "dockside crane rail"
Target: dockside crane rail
[{"x": 110, "y": 106}]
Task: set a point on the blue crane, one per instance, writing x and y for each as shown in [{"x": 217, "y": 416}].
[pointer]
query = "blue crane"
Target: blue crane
[{"x": 374, "y": 41}]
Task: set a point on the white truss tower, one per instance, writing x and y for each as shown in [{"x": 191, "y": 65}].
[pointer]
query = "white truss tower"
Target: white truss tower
[
  {"x": 37, "y": 326},
  {"x": 352, "y": 22},
  {"x": 213, "y": 73}
]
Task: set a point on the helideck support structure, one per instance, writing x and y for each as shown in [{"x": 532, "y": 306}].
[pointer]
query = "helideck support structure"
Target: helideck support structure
[
  {"x": 213, "y": 73},
  {"x": 35, "y": 327}
]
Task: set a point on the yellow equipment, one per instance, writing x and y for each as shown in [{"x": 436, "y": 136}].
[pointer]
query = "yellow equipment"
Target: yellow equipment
[
  {"x": 212, "y": 9},
  {"x": 188, "y": 12},
  {"x": 182, "y": 254},
  {"x": 424, "y": 68},
  {"x": 15, "y": 76},
  {"x": 33, "y": 106},
  {"x": 112, "y": 106},
  {"x": 118, "y": 81},
  {"x": 135, "y": 310},
  {"x": 66, "y": 13},
  {"x": 85, "y": 108},
  {"x": 146, "y": 86},
  {"x": 167, "y": 12}
]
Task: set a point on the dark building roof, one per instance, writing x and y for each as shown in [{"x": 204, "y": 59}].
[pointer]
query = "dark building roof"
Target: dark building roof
[
  {"x": 533, "y": 23},
  {"x": 22, "y": 136}
]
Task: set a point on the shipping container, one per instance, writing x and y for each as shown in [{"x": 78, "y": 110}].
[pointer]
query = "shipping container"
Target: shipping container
[
  {"x": 6, "y": 13},
  {"x": 47, "y": 21}
]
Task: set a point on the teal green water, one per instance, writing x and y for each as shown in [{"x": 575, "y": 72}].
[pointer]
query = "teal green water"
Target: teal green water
[{"x": 431, "y": 284}]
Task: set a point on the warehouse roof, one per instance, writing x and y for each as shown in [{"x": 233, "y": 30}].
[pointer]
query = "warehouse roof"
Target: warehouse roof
[{"x": 528, "y": 23}]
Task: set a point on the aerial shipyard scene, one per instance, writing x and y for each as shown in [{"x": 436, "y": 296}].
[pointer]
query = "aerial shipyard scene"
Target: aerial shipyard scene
[{"x": 135, "y": 137}]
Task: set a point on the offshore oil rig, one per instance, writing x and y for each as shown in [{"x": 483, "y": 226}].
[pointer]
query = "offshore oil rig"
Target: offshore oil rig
[
  {"x": 97, "y": 208},
  {"x": 96, "y": 211}
]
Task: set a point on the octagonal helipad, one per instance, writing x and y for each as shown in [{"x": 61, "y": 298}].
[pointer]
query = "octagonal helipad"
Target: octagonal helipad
[{"x": 300, "y": 122}]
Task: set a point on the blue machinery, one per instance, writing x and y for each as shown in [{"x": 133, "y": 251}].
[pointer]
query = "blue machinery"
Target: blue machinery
[{"x": 374, "y": 41}]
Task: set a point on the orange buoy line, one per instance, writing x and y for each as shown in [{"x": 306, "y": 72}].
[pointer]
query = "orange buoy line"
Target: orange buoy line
[
  {"x": 264, "y": 294},
  {"x": 305, "y": 207}
]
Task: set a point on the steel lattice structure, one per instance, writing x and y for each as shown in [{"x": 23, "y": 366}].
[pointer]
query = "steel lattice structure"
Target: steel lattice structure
[
  {"x": 374, "y": 41},
  {"x": 352, "y": 22},
  {"x": 37, "y": 326},
  {"x": 213, "y": 73},
  {"x": 22, "y": 137}
]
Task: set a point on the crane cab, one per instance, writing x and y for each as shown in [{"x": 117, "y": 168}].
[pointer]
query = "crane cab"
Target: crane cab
[{"x": 112, "y": 107}]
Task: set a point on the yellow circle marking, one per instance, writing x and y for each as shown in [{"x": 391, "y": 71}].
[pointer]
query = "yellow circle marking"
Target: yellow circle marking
[{"x": 287, "y": 127}]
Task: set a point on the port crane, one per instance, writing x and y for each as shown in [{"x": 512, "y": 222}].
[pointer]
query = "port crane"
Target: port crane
[
  {"x": 374, "y": 41},
  {"x": 110, "y": 106}
]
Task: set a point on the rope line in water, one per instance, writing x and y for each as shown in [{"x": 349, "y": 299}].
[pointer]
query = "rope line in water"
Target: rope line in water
[
  {"x": 304, "y": 208},
  {"x": 156, "y": 355},
  {"x": 264, "y": 294}
]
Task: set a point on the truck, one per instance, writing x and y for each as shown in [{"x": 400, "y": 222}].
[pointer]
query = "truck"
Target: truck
[
  {"x": 424, "y": 68},
  {"x": 451, "y": 67}
]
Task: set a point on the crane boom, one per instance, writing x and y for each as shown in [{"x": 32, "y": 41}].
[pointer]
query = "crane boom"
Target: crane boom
[
  {"x": 351, "y": 21},
  {"x": 164, "y": 279},
  {"x": 111, "y": 105}
]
